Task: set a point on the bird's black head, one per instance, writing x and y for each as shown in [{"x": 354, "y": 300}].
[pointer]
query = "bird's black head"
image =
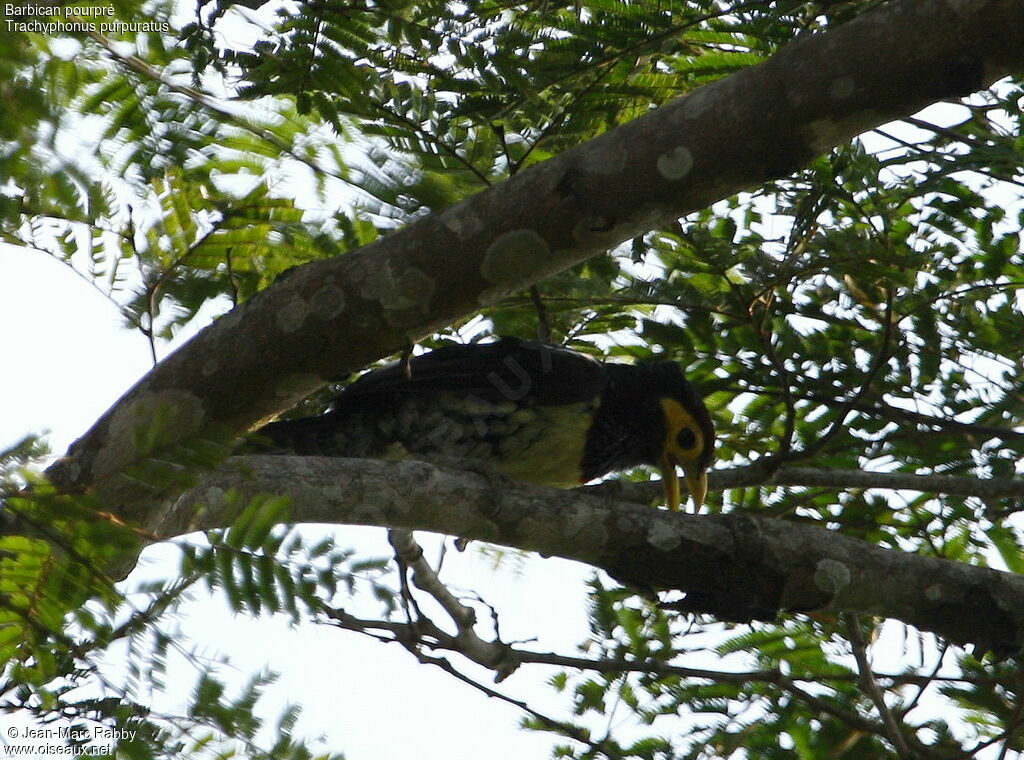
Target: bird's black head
[
  {"x": 650, "y": 414},
  {"x": 689, "y": 433}
]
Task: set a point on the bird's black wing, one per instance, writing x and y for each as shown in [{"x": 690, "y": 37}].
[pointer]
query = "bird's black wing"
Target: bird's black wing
[
  {"x": 518, "y": 371},
  {"x": 507, "y": 370}
]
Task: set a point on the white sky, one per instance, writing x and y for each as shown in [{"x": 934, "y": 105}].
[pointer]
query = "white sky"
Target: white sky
[{"x": 67, "y": 359}]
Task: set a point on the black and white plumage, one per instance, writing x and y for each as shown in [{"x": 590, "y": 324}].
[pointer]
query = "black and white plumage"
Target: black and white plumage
[{"x": 536, "y": 412}]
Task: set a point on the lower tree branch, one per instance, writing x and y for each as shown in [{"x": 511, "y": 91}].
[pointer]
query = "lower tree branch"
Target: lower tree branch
[
  {"x": 389, "y": 631},
  {"x": 737, "y": 566},
  {"x": 814, "y": 477}
]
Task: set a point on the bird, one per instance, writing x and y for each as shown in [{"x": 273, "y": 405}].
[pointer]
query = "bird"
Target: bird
[{"x": 532, "y": 411}]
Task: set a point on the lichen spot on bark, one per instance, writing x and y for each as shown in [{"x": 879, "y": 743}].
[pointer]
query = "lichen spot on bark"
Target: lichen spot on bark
[
  {"x": 541, "y": 533},
  {"x": 376, "y": 282},
  {"x": 215, "y": 497},
  {"x": 514, "y": 257},
  {"x": 689, "y": 107},
  {"x": 327, "y": 301},
  {"x": 412, "y": 289},
  {"x": 831, "y": 576},
  {"x": 675, "y": 164},
  {"x": 459, "y": 220},
  {"x": 292, "y": 315},
  {"x": 662, "y": 536},
  {"x": 580, "y": 528},
  {"x": 824, "y": 134},
  {"x": 646, "y": 217}
]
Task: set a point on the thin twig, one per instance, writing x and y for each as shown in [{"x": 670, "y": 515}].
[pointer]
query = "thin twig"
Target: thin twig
[
  {"x": 440, "y": 641},
  {"x": 931, "y": 678},
  {"x": 543, "y": 326},
  {"x": 886, "y": 411},
  {"x": 495, "y": 655},
  {"x": 892, "y": 729},
  {"x": 775, "y": 460},
  {"x": 566, "y": 729}
]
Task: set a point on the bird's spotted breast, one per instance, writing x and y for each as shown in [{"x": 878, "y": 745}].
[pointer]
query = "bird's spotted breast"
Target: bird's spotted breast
[{"x": 538, "y": 444}]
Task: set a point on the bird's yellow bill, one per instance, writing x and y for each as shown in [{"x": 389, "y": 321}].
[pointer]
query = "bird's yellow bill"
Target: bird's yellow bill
[
  {"x": 670, "y": 479},
  {"x": 696, "y": 482}
]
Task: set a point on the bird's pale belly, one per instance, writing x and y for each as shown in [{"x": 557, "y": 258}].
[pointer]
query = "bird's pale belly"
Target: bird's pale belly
[
  {"x": 551, "y": 459},
  {"x": 537, "y": 444}
]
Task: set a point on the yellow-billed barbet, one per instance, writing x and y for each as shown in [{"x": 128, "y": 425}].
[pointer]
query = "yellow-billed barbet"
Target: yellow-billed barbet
[{"x": 533, "y": 411}]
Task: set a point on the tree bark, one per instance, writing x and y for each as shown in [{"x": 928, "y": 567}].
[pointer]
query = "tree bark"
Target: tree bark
[
  {"x": 737, "y": 566},
  {"x": 329, "y": 318},
  {"x": 755, "y": 475}
]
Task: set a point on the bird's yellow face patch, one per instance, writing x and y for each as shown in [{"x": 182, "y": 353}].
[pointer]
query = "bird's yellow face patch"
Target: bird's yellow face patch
[{"x": 683, "y": 446}]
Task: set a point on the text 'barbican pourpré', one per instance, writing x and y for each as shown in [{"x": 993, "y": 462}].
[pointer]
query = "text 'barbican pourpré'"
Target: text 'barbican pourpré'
[{"x": 65, "y": 11}]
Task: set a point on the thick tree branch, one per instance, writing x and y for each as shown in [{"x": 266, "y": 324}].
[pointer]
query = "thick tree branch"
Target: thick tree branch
[
  {"x": 331, "y": 317},
  {"x": 735, "y": 566},
  {"x": 816, "y": 477}
]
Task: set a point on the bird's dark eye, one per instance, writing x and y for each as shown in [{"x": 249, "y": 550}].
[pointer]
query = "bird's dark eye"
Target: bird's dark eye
[{"x": 686, "y": 439}]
